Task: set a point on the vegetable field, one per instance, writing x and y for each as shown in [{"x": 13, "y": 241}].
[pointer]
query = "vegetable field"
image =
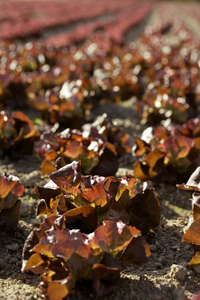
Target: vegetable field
[{"x": 99, "y": 150}]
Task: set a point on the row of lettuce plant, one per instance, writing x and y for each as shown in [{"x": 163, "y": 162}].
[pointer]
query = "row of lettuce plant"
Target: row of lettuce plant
[
  {"x": 93, "y": 227},
  {"x": 28, "y": 22},
  {"x": 94, "y": 224}
]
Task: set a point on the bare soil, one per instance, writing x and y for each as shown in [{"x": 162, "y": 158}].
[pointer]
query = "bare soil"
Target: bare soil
[{"x": 166, "y": 276}]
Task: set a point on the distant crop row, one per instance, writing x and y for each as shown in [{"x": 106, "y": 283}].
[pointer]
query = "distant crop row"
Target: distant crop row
[{"x": 35, "y": 19}]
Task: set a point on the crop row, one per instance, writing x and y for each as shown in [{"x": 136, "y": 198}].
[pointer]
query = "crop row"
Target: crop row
[
  {"x": 114, "y": 28},
  {"x": 34, "y": 19},
  {"x": 95, "y": 221}
]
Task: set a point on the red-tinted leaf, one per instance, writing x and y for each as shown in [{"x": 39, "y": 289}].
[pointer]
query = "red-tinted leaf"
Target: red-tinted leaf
[
  {"x": 96, "y": 195},
  {"x": 84, "y": 218},
  {"x": 117, "y": 186},
  {"x": 47, "y": 167},
  {"x": 185, "y": 144},
  {"x": 68, "y": 177},
  {"x": 10, "y": 190},
  {"x": 6, "y": 184},
  {"x": 145, "y": 211},
  {"x": 196, "y": 211},
  {"x": 67, "y": 243},
  {"x": 193, "y": 182},
  {"x": 195, "y": 261},
  {"x": 141, "y": 147},
  {"x": 192, "y": 234},
  {"x": 35, "y": 263},
  {"x": 116, "y": 212},
  {"x": 56, "y": 291},
  {"x": 141, "y": 170},
  {"x": 196, "y": 297},
  {"x": 155, "y": 162},
  {"x": 27, "y": 129},
  {"x": 136, "y": 252},
  {"x": 113, "y": 236},
  {"x": 108, "y": 164},
  {"x": 107, "y": 271},
  {"x": 57, "y": 282}
]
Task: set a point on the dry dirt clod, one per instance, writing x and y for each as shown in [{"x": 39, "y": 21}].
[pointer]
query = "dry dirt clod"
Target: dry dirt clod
[{"x": 178, "y": 272}]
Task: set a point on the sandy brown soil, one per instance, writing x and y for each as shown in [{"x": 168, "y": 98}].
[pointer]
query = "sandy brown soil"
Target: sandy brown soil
[{"x": 165, "y": 276}]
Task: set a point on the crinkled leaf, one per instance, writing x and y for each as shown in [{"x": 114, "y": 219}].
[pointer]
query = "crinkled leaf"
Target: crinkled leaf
[
  {"x": 50, "y": 190},
  {"x": 195, "y": 260},
  {"x": 35, "y": 236},
  {"x": 155, "y": 162},
  {"x": 10, "y": 191},
  {"x": 118, "y": 187},
  {"x": 47, "y": 167},
  {"x": 27, "y": 129},
  {"x": 145, "y": 211},
  {"x": 185, "y": 144},
  {"x": 17, "y": 134},
  {"x": 64, "y": 243},
  {"x": 108, "y": 164},
  {"x": 136, "y": 252},
  {"x": 113, "y": 236},
  {"x": 141, "y": 170},
  {"x": 196, "y": 211},
  {"x": 193, "y": 182},
  {"x": 140, "y": 147},
  {"x": 56, "y": 290},
  {"x": 68, "y": 177},
  {"x": 7, "y": 182},
  {"x": 96, "y": 195},
  {"x": 106, "y": 271},
  {"x": 36, "y": 264},
  {"x": 57, "y": 282},
  {"x": 115, "y": 212},
  {"x": 192, "y": 234},
  {"x": 84, "y": 218}
]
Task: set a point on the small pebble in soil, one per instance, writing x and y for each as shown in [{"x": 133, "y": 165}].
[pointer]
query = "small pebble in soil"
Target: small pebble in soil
[
  {"x": 161, "y": 260},
  {"x": 178, "y": 272},
  {"x": 175, "y": 247}
]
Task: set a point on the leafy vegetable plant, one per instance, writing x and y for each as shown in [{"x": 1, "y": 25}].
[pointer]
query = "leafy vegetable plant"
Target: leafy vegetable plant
[
  {"x": 192, "y": 235},
  {"x": 16, "y": 134},
  {"x": 98, "y": 146},
  {"x": 92, "y": 230},
  {"x": 10, "y": 191},
  {"x": 168, "y": 151}
]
